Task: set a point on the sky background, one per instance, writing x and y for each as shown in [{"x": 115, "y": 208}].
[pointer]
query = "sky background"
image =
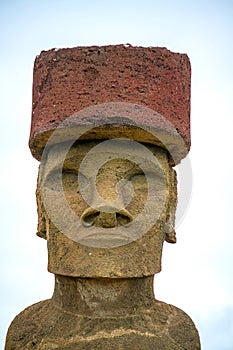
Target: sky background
[{"x": 197, "y": 271}]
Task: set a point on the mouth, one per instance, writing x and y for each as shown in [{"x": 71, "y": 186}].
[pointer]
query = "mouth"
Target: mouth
[{"x": 98, "y": 237}]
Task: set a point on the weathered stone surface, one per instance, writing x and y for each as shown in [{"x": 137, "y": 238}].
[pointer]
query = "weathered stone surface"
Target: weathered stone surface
[
  {"x": 134, "y": 251},
  {"x": 68, "y": 80},
  {"x": 107, "y": 206},
  {"x": 96, "y": 314}
]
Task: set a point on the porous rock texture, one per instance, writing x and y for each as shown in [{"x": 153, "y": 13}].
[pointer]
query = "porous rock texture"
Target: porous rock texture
[
  {"x": 103, "y": 297},
  {"x": 103, "y": 314},
  {"x": 132, "y": 252},
  {"x": 67, "y": 81}
]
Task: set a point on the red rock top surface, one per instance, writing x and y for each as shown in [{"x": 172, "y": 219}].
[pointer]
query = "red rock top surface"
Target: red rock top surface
[{"x": 68, "y": 80}]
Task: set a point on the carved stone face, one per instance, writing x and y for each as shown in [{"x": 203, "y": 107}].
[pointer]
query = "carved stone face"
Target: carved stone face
[{"x": 106, "y": 208}]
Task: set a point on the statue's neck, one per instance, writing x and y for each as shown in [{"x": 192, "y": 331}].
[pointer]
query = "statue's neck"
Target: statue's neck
[{"x": 103, "y": 297}]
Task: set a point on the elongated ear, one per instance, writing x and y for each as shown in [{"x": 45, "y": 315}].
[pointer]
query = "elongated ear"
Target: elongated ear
[
  {"x": 41, "y": 225},
  {"x": 170, "y": 234}
]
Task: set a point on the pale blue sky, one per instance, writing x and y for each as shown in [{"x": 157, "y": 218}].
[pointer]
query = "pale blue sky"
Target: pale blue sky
[{"x": 197, "y": 271}]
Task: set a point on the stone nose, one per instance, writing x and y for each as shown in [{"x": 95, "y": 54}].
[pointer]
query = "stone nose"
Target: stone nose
[{"x": 105, "y": 217}]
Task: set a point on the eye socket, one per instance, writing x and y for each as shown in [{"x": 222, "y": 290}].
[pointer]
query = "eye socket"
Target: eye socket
[
  {"x": 139, "y": 182},
  {"x": 83, "y": 182},
  {"x": 71, "y": 181},
  {"x": 142, "y": 181},
  {"x": 53, "y": 181}
]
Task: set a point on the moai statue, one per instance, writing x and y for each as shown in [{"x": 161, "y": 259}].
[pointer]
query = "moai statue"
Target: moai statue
[{"x": 108, "y": 125}]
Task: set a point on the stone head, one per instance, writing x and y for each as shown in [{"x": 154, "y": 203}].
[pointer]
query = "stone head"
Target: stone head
[
  {"x": 106, "y": 207},
  {"x": 106, "y": 187}
]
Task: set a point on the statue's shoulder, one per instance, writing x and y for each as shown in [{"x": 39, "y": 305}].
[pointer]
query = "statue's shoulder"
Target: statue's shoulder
[
  {"x": 160, "y": 326},
  {"x": 23, "y": 331},
  {"x": 178, "y": 325}
]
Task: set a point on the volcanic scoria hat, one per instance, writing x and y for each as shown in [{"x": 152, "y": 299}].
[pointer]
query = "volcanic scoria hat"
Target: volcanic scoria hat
[{"x": 116, "y": 91}]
